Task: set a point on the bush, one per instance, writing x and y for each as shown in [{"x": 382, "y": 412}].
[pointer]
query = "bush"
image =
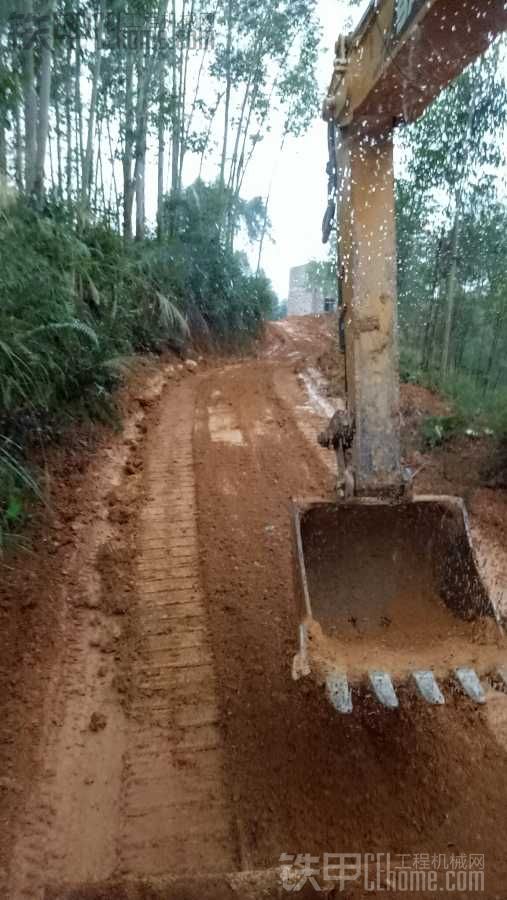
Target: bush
[
  {"x": 410, "y": 367},
  {"x": 222, "y": 298},
  {"x": 435, "y": 430},
  {"x": 476, "y": 409},
  {"x": 497, "y": 413},
  {"x": 74, "y": 303}
]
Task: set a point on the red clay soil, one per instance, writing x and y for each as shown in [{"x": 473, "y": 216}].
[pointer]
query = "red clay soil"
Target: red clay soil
[
  {"x": 30, "y": 619},
  {"x": 151, "y": 724},
  {"x": 46, "y": 588},
  {"x": 305, "y": 780}
]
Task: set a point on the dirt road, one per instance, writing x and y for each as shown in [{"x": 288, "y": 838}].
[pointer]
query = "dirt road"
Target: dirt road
[{"x": 151, "y": 728}]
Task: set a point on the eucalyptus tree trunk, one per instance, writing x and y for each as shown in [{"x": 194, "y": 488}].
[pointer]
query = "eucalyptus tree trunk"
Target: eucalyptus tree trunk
[
  {"x": 250, "y": 96},
  {"x": 145, "y": 80},
  {"x": 229, "y": 214},
  {"x": 239, "y": 157},
  {"x": 140, "y": 194},
  {"x": 86, "y": 181},
  {"x": 211, "y": 121},
  {"x": 263, "y": 231},
  {"x": 128, "y": 188},
  {"x": 68, "y": 148},
  {"x": 18, "y": 150},
  {"x": 51, "y": 167},
  {"x": 58, "y": 146},
  {"x": 247, "y": 107},
  {"x": 44, "y": 98},
  {"x": 188, "y": 124},
  {"x": 68, "y": 115},
  {"x": 498, "y": 328},
  {"x": 239, "y": 131},
  {"x": 245, "y": 157},
  {"x": 98, "y": 178},
  {"x": 432, "y": 315},
  {"x": 175, "y": 106},
  {"x": 183, "y": 82},
  {"x": 3, "y": 146},
  {"x": 266, "y": 207},
  {"x": 161, "y": 144},
  {"x": 456, "y": 234},
  {"x": 30, "y": 105},
  {"x": 228, "y": 90},
  {"x": 450, "y": 298},
  {"x": 140, "y": 148},
  {"x": 114, "y": 185},
  {"x": 78, "y": 103},
  {"x": 3, "y": 125},
  {"x": 77, "y": 166}
]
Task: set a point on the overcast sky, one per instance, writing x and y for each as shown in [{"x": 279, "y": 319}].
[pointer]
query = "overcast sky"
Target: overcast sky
[{"x": 299, "y": 192}]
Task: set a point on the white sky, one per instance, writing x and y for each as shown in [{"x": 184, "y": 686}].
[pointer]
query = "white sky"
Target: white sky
[{"x": 299, "y": 192}]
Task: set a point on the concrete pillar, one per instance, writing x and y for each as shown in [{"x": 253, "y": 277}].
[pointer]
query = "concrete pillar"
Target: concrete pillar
[{"x": 367, "y": 251}]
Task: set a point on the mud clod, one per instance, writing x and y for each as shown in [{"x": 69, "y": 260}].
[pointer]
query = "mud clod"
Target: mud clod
[{"x": 98, "y": 722}]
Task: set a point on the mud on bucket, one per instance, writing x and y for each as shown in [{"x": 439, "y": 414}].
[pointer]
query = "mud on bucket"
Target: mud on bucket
[{"x": 392, "y": 592}]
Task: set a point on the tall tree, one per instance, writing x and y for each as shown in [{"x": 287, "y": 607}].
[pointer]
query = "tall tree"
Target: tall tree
[
  {"x": 452, "y": 150},
  {"x": 86, "y": 181},
  {"x": 30, "y": 97}
]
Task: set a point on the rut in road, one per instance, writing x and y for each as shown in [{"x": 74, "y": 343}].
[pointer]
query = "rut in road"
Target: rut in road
[
  {"x": 140, "y": 791},
  {"x": 175, "y": 808}
]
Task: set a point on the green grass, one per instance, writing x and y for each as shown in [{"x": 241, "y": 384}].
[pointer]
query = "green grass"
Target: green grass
[
  {"x": 473, "y": 408},
  {"x": 76, "y": 304}
]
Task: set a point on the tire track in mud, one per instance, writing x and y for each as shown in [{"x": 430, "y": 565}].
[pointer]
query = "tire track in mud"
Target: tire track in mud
[
  {"x": 175, "y": 807},
  {"x": 244, "y": 494},
  {"x": 68, "y": 827},
  {"x": 132, "y": 779},
  {"x": 407, "y": 782}
]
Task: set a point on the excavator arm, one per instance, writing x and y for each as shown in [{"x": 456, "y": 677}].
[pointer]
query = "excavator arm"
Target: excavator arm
[
  {"x": 382, "y": 583},
  {"x": 402, "y": 54}
]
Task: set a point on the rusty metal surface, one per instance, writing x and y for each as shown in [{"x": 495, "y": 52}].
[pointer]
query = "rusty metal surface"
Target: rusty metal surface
[
  {"x": 353, "y": 557},
  {"x": 404, "y": 52},
  {"x": 368, "y": 256}
]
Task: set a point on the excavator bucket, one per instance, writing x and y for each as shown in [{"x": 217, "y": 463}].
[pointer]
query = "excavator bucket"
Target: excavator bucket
[{"x": 390, "y": 593}]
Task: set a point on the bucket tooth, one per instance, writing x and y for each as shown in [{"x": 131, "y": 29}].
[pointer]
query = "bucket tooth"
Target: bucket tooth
[
  {"x": 471, "y": 685},
  {"x": 428, "y": 687},
  {"x": 384, "y": 690},
  {"x": 338, "y": 692}
]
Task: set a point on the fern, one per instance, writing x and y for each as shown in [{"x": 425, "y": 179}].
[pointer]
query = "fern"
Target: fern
[
  {"x": 76, "y": 306},
  {"x": 75, "y": 324},
  {"x": 16, "y": 480},
  {"x": 170, "y": 317}
]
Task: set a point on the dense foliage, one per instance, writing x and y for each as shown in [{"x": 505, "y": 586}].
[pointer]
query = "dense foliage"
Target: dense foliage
[
  {"x": 452, "y": 244},
  {"x": 108, "y": 243},
  {"x": 76, "y": 303}
]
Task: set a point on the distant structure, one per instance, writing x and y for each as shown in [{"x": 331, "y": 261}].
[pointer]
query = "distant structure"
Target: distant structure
[{"x": 304, "y": 300}]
